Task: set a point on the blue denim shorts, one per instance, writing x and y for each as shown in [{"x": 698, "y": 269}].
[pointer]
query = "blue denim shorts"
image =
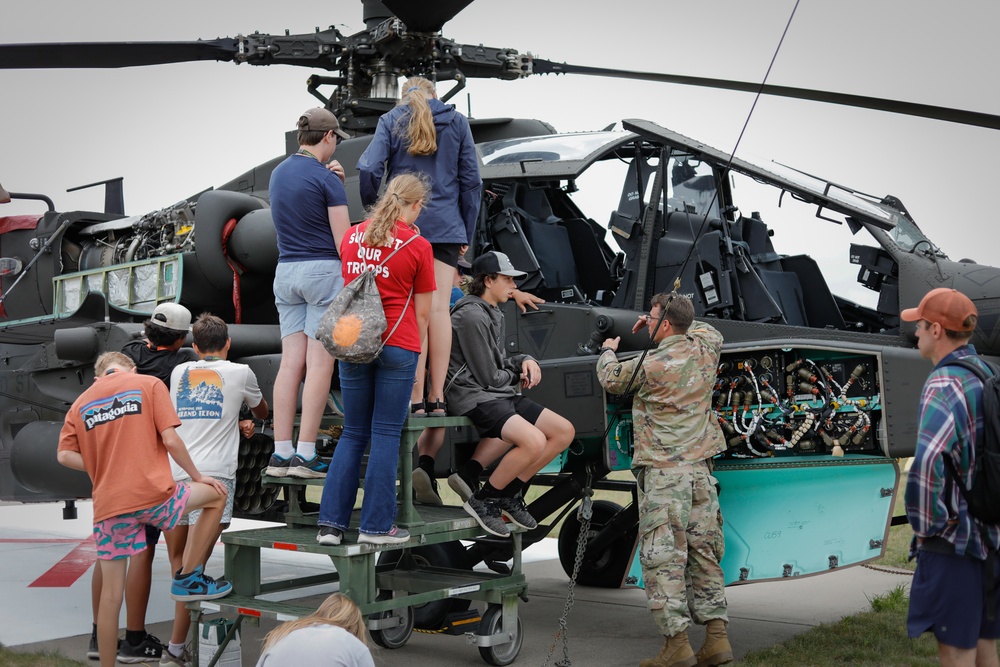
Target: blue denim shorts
[
  {"x": 303, "y": 291},
  {"x": 947, "y": 597}
]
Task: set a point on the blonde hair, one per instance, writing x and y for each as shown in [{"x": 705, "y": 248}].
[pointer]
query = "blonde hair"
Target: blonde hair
[
  {"x": 109, "y": 359},
  {"x": 338, "y": 610},
  {"x": 420, "y": 133},
  {"x": 402, "y": 191}
]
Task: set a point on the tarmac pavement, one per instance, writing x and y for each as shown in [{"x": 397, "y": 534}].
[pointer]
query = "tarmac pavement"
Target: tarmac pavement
[{"x": 606, "y": 627}]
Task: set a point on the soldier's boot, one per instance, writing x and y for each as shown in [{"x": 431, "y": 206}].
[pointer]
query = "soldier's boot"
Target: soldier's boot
[
  {"x": 676, "y": 652},
  {"x": 716, "y": 650}
]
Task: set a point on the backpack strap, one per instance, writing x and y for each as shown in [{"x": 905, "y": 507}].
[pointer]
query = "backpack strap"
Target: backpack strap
[
  {"x": 405, "y": 305},
  {"x": 989, "y": 579},
  {"x": 402, "y": 245}
]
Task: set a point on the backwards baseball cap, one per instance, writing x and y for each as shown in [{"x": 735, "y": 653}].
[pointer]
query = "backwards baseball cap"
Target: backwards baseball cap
[
  {"x": 172, "y": 316},
  {"x": 321, "y": 120},
  {"x": 949, "y": 308},
  {"x": 495, "y": 262}
]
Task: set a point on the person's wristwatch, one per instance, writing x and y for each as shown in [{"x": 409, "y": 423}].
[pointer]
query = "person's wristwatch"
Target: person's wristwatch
[{"x": 604, "y": 349}]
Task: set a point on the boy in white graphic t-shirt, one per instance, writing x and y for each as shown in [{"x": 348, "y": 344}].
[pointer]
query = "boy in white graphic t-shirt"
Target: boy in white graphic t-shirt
[{"x": 208, "y": 395}]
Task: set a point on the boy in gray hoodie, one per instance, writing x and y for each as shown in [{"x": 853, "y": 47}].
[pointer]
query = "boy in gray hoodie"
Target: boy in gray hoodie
[{"x": 483, "y": 385}]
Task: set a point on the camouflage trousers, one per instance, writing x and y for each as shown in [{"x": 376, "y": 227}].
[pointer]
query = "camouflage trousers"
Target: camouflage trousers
[{"x": 680, "y": 546}]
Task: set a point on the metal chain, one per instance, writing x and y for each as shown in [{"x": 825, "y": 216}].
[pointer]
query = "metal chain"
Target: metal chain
[
  {"x": 584, "y": 515},
  {"x": 888, "y": 569}
]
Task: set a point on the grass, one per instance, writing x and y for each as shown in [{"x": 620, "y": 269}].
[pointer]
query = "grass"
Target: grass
[
  {"x": 10, "y": 658},
  {"x": 897, "y": 548},
  {"x": 875, "y": 638}
]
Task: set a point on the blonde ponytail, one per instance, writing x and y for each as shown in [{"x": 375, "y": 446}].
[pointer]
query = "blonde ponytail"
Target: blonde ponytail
[{"x": 420, "y": 133}]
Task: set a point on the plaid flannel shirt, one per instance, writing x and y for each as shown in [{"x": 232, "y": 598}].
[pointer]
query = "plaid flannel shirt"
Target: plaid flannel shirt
[{"x": 950, "y": 422}]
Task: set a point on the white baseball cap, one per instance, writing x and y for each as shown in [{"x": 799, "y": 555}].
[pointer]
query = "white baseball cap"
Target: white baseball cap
[{"x": 172, "y": 316}]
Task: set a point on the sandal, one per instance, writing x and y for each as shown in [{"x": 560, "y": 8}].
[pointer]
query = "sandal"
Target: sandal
[
  {"x": 418, "y": 409},
  {"x": 436, "y": 409}
]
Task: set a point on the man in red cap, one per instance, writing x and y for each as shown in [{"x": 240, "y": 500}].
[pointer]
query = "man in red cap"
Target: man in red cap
[{"x": 948, "y": 595}]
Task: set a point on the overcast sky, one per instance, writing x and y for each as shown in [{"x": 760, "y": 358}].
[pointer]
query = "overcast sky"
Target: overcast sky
[{"x": 173, "y": 130}]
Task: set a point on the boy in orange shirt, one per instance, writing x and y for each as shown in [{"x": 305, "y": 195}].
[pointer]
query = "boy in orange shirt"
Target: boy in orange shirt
[{"x": 120, "y": 432}]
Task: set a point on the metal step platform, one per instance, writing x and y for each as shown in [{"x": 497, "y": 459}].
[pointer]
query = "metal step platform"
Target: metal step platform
[{"x": 391, "y": 584}]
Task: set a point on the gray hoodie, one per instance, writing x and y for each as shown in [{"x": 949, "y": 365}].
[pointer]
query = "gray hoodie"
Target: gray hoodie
[{"x": 479, "y": 370}]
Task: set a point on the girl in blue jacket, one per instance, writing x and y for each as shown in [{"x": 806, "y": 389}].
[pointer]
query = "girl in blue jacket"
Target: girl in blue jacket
[{"x": 424, "y": 135}]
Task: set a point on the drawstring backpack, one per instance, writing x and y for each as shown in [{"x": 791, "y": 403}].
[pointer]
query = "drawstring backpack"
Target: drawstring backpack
[{"x": 351, "y": 328}]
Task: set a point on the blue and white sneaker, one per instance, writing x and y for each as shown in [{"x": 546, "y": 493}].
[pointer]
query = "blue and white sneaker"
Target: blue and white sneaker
[
  {"x": 198, "y": 586},
  {"x": 314, "y": 468},
  {"x": 277, "y": 466}
]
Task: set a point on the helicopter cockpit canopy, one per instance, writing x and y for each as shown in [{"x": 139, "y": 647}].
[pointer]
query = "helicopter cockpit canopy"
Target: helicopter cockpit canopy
[{"x": 562, "y": 156}]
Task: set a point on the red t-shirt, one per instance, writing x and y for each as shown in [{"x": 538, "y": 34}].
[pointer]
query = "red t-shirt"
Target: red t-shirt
[
  {"x": 412, "y": 268},
  {"x": 115, "y": 425}
]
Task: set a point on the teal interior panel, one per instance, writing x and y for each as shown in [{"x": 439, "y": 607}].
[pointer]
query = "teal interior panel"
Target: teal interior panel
[{"x": 803, "y": 515}]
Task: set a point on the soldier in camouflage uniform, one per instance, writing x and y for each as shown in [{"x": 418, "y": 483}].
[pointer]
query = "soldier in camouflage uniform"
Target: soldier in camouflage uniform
[{"x": 680, "y": 525}]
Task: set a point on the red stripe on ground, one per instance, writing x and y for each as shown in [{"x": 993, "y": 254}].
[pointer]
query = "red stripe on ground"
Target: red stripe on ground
[{"x": 73, "y": 566}]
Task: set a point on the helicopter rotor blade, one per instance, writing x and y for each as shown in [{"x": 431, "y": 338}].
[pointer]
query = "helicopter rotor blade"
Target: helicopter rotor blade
[
  {"x": 113, "y": 54},
  {"x": 425, "y": 16},
  {"x": 975, "y": 118}
]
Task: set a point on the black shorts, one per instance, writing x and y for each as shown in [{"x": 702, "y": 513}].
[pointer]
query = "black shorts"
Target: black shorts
[
  {"x": 447, "y": 252},
  {"x": 947, "y": 597},
  {"x": 490, "y": 417}
]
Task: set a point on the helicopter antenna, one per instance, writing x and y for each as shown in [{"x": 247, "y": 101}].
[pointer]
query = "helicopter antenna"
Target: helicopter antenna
[{"x": 732, "y": 155}]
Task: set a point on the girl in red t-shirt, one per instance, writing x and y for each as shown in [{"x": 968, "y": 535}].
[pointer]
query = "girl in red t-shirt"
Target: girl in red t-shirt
[{"x": 377, "y": 394}]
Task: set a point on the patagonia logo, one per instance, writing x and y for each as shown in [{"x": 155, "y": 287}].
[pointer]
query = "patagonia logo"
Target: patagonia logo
[{"x": 109, "y": 409}]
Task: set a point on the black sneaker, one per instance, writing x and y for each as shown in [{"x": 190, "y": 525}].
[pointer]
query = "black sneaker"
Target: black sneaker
[
  {"x": 147, "y": 650},
  {"x": 425, "y": 489},
  {"x": 515, "y": 510},
  {"x": 329, "y": 536},
  {"x": 465, "y": 488},
  {"x": 92, "y": 652},
  {"x": 486, "y": 512}
]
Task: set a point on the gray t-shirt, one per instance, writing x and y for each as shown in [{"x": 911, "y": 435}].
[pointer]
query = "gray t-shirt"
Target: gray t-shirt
[{"x": 327, "y": 645}]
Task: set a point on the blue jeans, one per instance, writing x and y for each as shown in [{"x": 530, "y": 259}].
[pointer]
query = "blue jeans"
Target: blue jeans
[{"x": 376, "y": 403}]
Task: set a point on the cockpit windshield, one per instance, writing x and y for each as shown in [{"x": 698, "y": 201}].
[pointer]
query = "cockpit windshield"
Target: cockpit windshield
[
  {"x": 691, "y": 186},
  {"x": 554, "y": 148},
  {"x": 906, "y": 235}
]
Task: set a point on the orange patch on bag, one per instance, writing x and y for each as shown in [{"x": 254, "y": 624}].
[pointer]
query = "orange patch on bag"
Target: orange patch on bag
[{"x": 346, "y": 330}]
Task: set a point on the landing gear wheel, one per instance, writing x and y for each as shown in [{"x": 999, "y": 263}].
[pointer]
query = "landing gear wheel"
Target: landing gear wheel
[
  {"x": 431, "y": 615},
  {"x": 492, "y": 624},
  {"x": 601, "y": 570},
  {"x": 395, "y": 637}
]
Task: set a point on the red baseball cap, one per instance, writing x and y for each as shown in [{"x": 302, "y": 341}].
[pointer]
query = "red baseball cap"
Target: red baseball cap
[{"x": 949, "y": 308}]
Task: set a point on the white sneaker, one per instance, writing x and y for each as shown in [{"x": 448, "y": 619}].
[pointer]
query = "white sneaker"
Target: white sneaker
[{"x": 395, "y": 536}]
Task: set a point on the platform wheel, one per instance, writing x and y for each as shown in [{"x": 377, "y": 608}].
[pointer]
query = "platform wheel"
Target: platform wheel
[
  {"x": 492, "y": 624},
  {"x": 601, "y": 570},
  {"x": 430, "y": 615},
  {"x": 395, "y": 637}
]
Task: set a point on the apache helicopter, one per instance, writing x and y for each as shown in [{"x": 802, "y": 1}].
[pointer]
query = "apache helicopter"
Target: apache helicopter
[{"x": 806, "y": 375}]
